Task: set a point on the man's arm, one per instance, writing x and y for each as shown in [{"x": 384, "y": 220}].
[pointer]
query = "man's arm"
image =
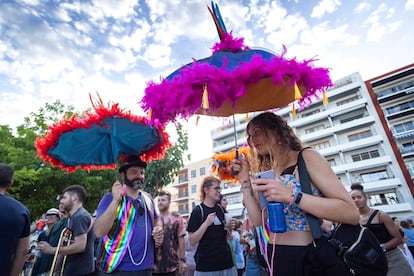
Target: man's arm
[
  {"x": 78, "y": 246},
  {"x": 104, "y": 223},
  {"x": 19, "y": 256}
]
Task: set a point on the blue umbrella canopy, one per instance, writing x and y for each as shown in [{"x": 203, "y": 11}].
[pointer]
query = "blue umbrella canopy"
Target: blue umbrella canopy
[{"x": 99, "y": 139}]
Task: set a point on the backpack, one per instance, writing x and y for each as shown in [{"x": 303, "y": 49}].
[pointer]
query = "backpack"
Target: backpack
[{"x": 356, "y": 245}]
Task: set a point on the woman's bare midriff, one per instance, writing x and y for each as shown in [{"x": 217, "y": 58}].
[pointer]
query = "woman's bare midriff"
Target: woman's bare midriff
[{"x": 291, "y": 238}]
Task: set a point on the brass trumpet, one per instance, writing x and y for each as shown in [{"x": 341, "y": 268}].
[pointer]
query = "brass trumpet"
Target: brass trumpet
[
  {"x": 35, "y": 252},
  {"x": 58, "y": 264}
]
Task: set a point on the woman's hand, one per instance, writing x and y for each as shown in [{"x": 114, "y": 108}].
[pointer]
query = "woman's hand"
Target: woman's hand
[
  {"x": 273, "y": 189},
  {"x": 242, "y": 167}
]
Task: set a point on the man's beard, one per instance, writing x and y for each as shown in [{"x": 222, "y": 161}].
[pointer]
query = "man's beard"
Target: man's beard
[{"x": 135, "y": 184}]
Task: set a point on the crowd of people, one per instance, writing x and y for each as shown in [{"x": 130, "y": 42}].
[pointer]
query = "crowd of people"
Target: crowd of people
[{"x": 132, "y": 235}]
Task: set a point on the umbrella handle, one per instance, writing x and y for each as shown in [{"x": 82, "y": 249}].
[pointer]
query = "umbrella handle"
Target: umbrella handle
[{"x": 233, "y": 172}]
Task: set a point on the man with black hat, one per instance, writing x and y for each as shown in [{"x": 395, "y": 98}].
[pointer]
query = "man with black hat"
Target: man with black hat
[{"x": 127, "y": 222}]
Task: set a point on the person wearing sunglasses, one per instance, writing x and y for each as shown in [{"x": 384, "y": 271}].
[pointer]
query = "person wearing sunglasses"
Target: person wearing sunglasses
[
  {"x": 55, "y": 226},
  {"x": 206, "y": 227},
  {"x": 128, "y": 224}
]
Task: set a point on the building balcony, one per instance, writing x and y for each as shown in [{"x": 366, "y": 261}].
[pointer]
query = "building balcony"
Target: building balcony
[
  {"x": 180, "y": 184},
  {"x": 236, "y": 210},
  {"x": 225, "y": 131},
  {"x": 350, "y": 146},
  {"x": 362, "y": 165},
  {"x": 180, "y": 198},
  {"x": 400, "y": 209},
  {"x": 229, "y": 146},
  {"x": 380, "y": 185},
  {"x": 355, "y": 124},
  {"x": 402, "y": 135},
  {"x": 395, "y": 95},
  {"x": 399, "y": 113},
  {"x": 332, "y": 111}
]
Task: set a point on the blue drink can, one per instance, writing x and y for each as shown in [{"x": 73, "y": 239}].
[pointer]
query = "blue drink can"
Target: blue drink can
[{"x": 277, "y": 221}]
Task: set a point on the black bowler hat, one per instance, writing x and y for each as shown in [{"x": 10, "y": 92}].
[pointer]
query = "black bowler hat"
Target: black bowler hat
[{"x": 132, "y": 161}]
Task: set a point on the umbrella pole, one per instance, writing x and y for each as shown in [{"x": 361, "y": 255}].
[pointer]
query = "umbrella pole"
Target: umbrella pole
[
  {"x": 113, "y": 157},
  {"x": 233, "y": 172},
  {"x": 235, "y": 137}
]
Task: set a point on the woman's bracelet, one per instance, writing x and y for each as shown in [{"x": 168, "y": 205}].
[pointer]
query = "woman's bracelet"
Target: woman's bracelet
[{"x": 245, "y": 184}]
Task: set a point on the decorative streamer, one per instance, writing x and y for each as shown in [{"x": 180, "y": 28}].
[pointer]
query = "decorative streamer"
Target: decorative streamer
[
  {"x": 205, "y": 97},
  {"x": 325, "y": 97}
]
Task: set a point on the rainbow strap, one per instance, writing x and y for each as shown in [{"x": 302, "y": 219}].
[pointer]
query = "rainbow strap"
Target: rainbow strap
[
  {"x": 114, "y": 244},
  {"x": 264, "y": 237}
]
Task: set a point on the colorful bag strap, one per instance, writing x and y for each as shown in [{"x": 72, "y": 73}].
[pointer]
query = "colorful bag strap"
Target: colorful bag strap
[{"x": 314, "y": 222}]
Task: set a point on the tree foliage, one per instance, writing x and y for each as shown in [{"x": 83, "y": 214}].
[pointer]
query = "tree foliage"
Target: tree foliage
[
  {"x": 160, "y": 173},
  {"x": 38, "y": 185}
]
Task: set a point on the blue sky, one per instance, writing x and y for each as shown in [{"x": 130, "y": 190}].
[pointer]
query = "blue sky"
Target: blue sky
[{"x": 67, "y": 49}]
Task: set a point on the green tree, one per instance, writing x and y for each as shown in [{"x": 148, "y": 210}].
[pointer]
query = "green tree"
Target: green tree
[{"x": 160, "y": 173}]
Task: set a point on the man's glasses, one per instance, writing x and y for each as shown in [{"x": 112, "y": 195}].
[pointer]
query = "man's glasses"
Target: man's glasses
[{"x": 216, "y": 188}]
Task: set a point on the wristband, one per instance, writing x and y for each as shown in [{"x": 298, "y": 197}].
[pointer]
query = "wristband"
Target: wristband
[
  {"x": 298, "y": 198},
  {"x": 383, "y": 247}
]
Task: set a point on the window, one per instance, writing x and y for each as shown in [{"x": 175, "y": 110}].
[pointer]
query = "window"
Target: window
[
  {"x": 234, "y": 199},
  {"x": 182, "y": 192},
  {"x": 314, "y": 129},
  {"x": 359, "y": 135},
  {"x": 202, "y": 171},
  {"x": 365, "y": 155},
  {"x": 351, "y": 118},
  {"x": 403, "y": 127},
  {"x": 193, "y": 188},
  {"x": 183, "y": 208},
  {"x": 304, "y": 115},
  {"x": 348, "y": 100},
  {"x": 193, "y": 173},
  {"x": 331, "y": 162},
  {"x": 397, "y": 88},
  {"x": 182, "y": 178},
  {"x": 407, "y": 147},
  {"x": 374, "y": 176},
  {"x": 321, "y": 145},
  {"x": 385, "y": 198},
  {"x": 399, "y": 108},
  {"x": 410, "y": 167}
]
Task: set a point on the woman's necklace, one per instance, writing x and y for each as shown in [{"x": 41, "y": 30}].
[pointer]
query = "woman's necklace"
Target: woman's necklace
[{"x": 366, "y": 215}]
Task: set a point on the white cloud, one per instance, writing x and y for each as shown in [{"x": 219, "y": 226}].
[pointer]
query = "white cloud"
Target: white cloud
[
  {"x": 378, "y": 24},
  {"x": 409, "y": 5},
  {"x": 363, "y": 6},
  {"x": 325, "y": 6}
]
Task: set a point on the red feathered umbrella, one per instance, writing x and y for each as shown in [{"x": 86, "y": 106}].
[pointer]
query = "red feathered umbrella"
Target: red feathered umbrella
[{"x": 98, "y": 139}]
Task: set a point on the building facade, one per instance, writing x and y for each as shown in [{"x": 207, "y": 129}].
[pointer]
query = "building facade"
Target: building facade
[
  {"x": 187, "y": 184},
  {"x": 393, "y": 98}
]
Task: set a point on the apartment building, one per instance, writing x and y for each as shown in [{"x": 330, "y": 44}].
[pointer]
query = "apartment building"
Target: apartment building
[
  {"x": 393, "y": 98},
  {"x": 187, "y": 183},
  {"x": 349, "y": 133}
]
